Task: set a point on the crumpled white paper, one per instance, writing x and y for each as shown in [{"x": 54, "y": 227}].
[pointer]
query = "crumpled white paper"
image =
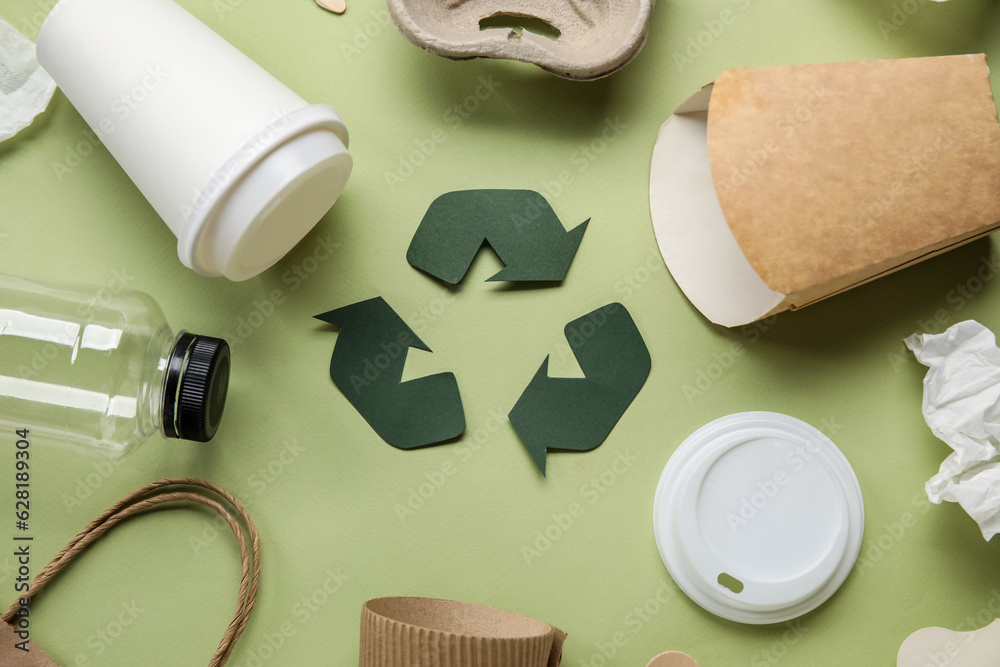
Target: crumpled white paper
[
  {"x": 25, "y": 88},
  {"x": 962, "y": 407}
]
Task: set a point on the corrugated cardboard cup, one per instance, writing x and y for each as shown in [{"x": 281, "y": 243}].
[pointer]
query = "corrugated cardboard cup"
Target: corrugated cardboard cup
[{"x": 425, "y": 632}]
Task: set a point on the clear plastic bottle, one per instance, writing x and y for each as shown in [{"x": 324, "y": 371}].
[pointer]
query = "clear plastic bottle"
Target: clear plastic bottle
[{"x": 101, "y": 372}]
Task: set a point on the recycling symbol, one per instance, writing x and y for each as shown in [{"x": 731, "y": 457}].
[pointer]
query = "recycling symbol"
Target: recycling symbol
[{"x": 552, "y": 413}]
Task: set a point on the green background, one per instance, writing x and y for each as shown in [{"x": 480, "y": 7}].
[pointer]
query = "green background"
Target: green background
[{"x": 332, "y": 507}]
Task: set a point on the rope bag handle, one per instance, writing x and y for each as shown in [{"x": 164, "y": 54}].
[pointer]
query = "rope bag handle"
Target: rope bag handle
[{"x": 150, "y": 496}]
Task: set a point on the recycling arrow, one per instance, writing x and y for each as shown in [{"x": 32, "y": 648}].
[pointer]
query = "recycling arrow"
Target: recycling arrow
[
  {"x": 519, "y": 225},
  {"x": 579, "y": 413},
  {"x": 367, "y": 367}
]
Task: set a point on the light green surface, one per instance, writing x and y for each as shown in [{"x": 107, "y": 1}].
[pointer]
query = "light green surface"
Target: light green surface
[{"x": 330, "y": 506}]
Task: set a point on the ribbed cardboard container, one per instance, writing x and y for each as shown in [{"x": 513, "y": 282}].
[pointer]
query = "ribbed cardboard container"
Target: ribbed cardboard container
[{"x": 426, "y": 632}]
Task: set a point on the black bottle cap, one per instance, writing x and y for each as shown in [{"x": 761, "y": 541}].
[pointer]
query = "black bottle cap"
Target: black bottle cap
[{"x": 194, "y": 392}]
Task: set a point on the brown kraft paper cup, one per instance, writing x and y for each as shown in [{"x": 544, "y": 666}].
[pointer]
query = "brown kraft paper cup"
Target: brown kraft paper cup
[{"x": 426, "y": 632}]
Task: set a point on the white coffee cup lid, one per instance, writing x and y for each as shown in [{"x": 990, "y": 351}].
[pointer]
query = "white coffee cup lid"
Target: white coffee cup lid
[
  {"x": 268, "y": 196},
  {"x": 758, "y": 517}
]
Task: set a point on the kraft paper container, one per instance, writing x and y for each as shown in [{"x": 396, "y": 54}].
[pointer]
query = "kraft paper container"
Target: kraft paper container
[
  {"x": 776, "y": 187},
  {"x": 425, "y": 632}
]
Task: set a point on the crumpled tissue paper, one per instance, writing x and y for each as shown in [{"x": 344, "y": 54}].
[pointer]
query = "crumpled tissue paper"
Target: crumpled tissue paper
[
  {"x": 962, "y": 407},
  {"x": 25, "y": 88}
]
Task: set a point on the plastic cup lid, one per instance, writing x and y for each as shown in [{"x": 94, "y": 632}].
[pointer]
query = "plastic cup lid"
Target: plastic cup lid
[
  {"x": 758, "y": 517},
  {"x": 265, "y": 199}
]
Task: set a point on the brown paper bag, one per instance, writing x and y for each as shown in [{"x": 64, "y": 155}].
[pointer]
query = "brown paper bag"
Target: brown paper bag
[{"x": 16, "y": 650}]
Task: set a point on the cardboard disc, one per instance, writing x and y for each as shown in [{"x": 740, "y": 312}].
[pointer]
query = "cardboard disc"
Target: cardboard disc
[{"x": 673, "y": 659}]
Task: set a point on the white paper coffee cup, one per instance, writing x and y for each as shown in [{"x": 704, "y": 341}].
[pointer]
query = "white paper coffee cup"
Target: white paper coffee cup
[{"x": 238, "y": 166}]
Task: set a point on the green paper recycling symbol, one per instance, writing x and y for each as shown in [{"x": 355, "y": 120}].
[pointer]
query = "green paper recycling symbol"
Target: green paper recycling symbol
[
  {"x": 575, "y": 414},
  {"x": 519, "y": 225},
  {"x": 616, "y": 363},
  {"x": 367, "y": 366}
]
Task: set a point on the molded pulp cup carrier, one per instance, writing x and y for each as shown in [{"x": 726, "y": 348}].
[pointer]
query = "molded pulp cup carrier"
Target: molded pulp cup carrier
[{"x": 238, "y": 166}]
